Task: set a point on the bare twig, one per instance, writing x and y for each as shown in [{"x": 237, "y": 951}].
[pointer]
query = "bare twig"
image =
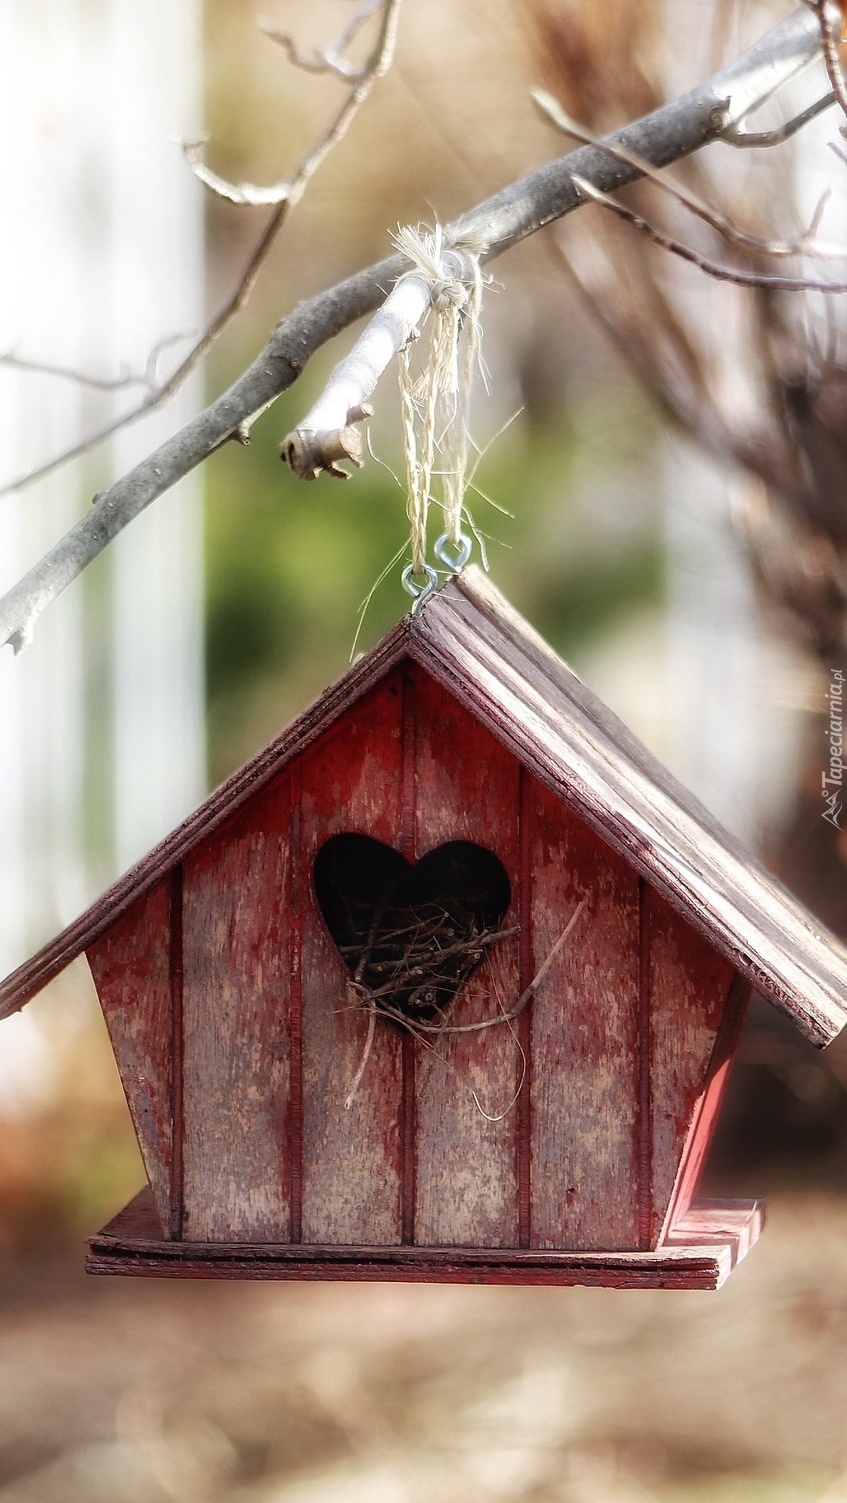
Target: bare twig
[
  {"x": 667, "y": 134},
  {"x": 830, "y": 20},
  {"x": 363, "y": 1063},
  {"x": 121, "y": 382},
  {"x": 802, "y": 245},
  {"x": 162, "y": 394},
  {"x": 327, "y": 59},
  {"x": 526, "y": 996},
  {"x": 376, "y": 1007},
  {"x": 711, "y": 268},
  {"x": 290, "y": 190},
  {"x": 377, "y": 65},
  {"x": 735, "y": 135}
]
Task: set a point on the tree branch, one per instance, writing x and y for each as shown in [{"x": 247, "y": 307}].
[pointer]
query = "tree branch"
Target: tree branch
[
  {"x": 666, "y": 135},
  {"x": 767, "y": 280},
  {"x": 327, "y": 59},
  {"x": 831, "y": 22},
  {"x": 376, "y": 66},
  {"x": 802, "y": 245},
  {"x": 291, "y": 190}
]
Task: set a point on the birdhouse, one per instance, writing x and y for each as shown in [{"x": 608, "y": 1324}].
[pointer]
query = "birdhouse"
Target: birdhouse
[{"x": 443, "y": 985}]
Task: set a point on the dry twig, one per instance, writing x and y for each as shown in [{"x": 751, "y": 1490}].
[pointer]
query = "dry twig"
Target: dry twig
[
  {"x": 666, "y": 242},
  {"x": 831, "y": 20},
  {"x": 327, "y": 59},
  {"x": 289, "y": 190},
  {"x": 732, "y": 233},
  {"x": 126, "y": 378},
  {"x": 445, "y": 1027},
  {"x": 671, "y": 132},
  {"x": 375, "y": 68},
  {"x": 376, "y": 1005}
]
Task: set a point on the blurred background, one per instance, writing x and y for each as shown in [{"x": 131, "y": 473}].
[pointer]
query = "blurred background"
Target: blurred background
[{"x": 662, "y": 467}]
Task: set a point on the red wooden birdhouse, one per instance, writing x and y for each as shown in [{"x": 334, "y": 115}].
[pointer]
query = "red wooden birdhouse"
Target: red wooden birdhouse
[{"x": 443, "y": 985}]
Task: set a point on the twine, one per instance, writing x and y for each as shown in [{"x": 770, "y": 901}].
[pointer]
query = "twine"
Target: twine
[{"x": 435, "y": 405}]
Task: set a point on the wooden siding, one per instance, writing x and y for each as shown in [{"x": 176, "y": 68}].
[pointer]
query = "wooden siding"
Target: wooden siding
[
  {"x": 132, "y": 965},
  {"x": 352, "y": 781},
  {"x": 235, "y": 1026},
  {"x": 585, "y": 1036},
  {"x": 689, "y": 985},
  {"x": 467, "y": 788},
  {"x": 565, "y": 1129}
]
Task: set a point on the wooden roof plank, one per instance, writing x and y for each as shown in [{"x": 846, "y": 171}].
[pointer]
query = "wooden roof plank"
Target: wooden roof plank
[{"x": 575, "y": 744}]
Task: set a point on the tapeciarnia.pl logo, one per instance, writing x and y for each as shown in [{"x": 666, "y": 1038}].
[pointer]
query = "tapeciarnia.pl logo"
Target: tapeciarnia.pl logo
[{"x": 832, "y": 776}]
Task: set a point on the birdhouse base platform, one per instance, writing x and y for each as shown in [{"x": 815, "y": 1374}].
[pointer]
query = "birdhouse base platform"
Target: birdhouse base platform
[{"x": 700, "y": 1253}]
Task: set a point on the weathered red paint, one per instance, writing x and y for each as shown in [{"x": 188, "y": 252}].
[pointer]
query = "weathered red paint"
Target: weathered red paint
[
  {"x": 560, "y": 1147},
  {"x": 568, "y": 1135}
]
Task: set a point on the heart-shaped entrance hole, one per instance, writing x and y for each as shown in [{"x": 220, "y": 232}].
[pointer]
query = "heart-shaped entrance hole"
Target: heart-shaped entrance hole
[{"x": 410, "y": 935}]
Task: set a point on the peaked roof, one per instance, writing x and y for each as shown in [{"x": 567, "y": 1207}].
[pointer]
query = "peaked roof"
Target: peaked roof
[{"x": 471, "y": 640}]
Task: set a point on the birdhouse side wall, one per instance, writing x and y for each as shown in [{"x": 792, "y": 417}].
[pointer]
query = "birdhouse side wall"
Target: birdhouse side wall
[
  {"x": 237, "y": 889},
  {"x": 707, "y": 1106},
  {"x": 567, "y": 1128},
  {"x": 693, "y": 1011},
  {"x": 132, "y": 968}
]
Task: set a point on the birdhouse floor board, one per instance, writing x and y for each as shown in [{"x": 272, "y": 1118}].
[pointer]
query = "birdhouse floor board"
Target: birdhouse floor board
[{"x": 701, "y": 1252}]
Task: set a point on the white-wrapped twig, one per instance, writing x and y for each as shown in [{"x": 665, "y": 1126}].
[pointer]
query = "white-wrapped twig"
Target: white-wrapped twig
[{"x": 327, "y": 437}]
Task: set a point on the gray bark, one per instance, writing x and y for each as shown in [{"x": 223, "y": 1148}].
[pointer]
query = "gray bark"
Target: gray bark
[{"x": 667, "y": 134}]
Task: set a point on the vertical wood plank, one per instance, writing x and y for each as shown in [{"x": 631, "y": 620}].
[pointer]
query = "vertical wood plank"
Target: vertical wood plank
[
  {"x": 409, "y": 1059},
  {"x": 177, "y": 1046},
  {"x": 130, "y": 965},
  {"x": 645, "y": 1103},
  {"x": 235, "y": 1010},
  {"x": 584, "y": 1037},
  {"x": 523, "y": 1026},
  {"x": 706, "y": 1112},
  {"x": 467, "y": 1188},
  {"x": 352, "y": 782},
  {"x": 299, "y": 904},
  {"x": 689, "y": 983}
]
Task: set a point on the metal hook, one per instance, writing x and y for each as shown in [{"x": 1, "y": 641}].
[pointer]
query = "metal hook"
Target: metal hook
[
  {"x": 419, "y": 593},
  {"x": 453, "y": 556}
]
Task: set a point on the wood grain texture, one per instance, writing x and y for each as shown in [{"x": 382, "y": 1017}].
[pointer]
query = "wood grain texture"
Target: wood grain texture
[
  {"x": 130, "y": 965},
  {"x": 706, "y": 1112},
  {"x": 235, "y": 1010},
  {"x": 467, "y": 1189},
  {"x": 352, "y": 782},
  {"x": 584, "y": 1037},
  {"x": 706, "y": 1246},
  {"x": 689, "y": 985}
]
